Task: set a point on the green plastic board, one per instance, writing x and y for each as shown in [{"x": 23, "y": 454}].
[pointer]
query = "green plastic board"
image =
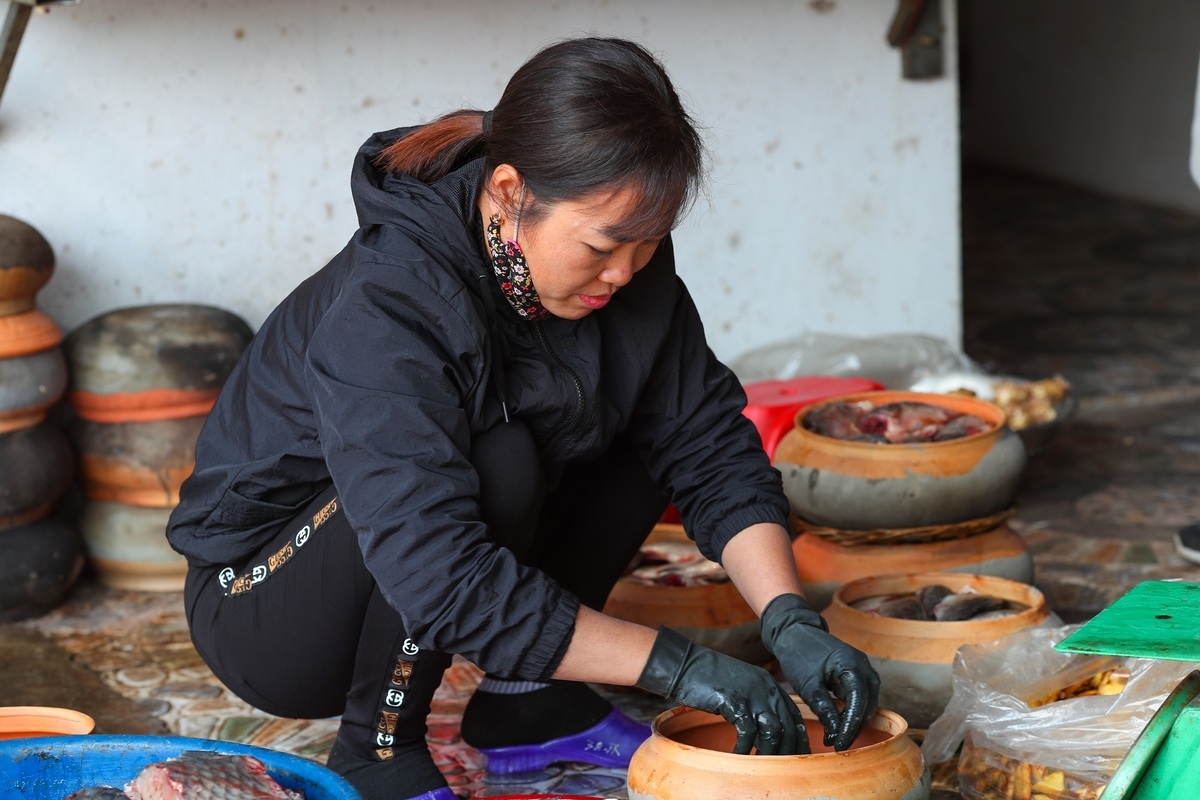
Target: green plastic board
[{"x": 1155, "y": 619}]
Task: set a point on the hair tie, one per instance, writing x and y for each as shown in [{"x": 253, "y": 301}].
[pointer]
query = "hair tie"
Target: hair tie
[{"x": 487, "y": 124}]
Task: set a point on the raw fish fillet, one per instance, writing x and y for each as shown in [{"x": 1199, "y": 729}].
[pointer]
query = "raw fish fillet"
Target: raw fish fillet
[{"x": 199, "y": 775}]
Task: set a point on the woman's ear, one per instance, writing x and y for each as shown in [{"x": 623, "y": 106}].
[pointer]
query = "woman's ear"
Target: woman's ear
[{"x": 504, "y": 187}]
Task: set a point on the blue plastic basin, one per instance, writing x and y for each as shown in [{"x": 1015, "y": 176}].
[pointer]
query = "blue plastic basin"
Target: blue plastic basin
[{"x": 51, "y": 767}]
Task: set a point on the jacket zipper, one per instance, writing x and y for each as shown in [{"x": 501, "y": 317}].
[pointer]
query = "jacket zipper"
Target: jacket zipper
[{"x": 577, "y": 413}]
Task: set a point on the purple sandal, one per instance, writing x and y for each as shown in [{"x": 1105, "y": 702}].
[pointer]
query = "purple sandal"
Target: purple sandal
[{"x": 608, "y": 743}]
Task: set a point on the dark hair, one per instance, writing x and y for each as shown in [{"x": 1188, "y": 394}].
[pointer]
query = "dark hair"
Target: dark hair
[{"x": 581, "y": 116}]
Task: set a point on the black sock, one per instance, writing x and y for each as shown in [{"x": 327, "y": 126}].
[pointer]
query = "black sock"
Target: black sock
[
  {"x": 408, "y": 773},
  {"x": 561, "y": 709}
]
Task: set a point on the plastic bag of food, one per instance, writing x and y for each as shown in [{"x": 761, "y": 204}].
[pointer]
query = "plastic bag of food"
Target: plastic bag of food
[
  {"x": 1029, "y": 716},
  {"x": 896, "y": 360}
]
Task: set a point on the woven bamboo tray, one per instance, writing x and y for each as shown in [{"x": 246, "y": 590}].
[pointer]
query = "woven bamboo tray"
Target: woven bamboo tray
[{"x": 922, "y": 535}]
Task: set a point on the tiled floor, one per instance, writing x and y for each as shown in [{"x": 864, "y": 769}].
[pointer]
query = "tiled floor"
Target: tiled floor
[{"x": 1057, "y": 280}]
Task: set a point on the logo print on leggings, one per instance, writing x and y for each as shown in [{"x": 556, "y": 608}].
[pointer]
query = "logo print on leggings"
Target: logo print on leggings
[
  {"x": 387, "y": 722},
  {"x": 408, "y": 648},
  {"x": 384, "y": 740},
  {"x": 394, "y": 698},
  {"x": 302, "y": 536},
  {"x": 226, "y": 576},
  {"x": 402, "y": 672},
  {"x": 259, "y": 573},
  {"x": 384, "y": 754}
]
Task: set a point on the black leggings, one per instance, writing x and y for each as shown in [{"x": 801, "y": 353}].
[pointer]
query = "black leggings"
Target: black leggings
[{"x": 315, "y": 638}]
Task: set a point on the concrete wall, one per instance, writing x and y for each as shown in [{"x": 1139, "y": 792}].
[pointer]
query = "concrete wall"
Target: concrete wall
[
  {"x": 199, "y": 150},
  {"x": 1099, "y": 93}
]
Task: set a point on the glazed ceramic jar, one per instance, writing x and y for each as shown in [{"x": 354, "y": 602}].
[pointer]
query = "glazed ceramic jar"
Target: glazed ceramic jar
[
  {"x": 36, "y": 469},
  {"x": 689, "y": 757},
  {"x": 127, "y": 546},
  {"x": 152, "y": 362},
  {"x": 825, "y": 565},
  {"x": 863, "y": 485},
  {"x": 39, "y": 563},
  {"x": 139, "y": 463},
  {"x": 26, "y": 264},
  {"x": 713, "y": 615},
  {"x": 914, "y": 657}
]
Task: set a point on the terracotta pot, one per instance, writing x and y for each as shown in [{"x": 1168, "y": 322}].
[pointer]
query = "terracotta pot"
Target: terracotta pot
[
  {"x": 26, "y": 333},
  {"x": 824, "y": 566},
  {"x": 127, "y": 547},
  {"x": 153, "y": 362},
  {"x": 714, "y": 616},
  {"x": 37, "y": 466},
  {"x": 26, "y": 264},
  {"x": 29, "y": 385},
  {"x": 913, "y": 657},
  {"x": 689, "y": 757},
  {"x": 39, "y": 563},
  {"x": 862, "y": 486},
  {"x": 772, "y": 404},
  {"x": 21, "y": 722},
  {"x": 139, "y": 463}
]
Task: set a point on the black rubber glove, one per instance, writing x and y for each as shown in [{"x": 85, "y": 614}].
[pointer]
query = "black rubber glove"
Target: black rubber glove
[
  {"x": 815, "y": 662},
  {"x": 747, "y": 696}
]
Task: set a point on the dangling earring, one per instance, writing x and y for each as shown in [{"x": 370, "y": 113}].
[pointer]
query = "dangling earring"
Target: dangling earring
[{"x": 508, "y": 262}]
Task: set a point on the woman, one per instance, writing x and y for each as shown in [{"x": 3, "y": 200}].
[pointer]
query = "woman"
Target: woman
[{"x": 455, "y": 436}]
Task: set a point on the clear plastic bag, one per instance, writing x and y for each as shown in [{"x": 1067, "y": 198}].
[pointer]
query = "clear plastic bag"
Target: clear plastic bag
[
  {"x": 897, "y": 360},
  {"x": 1002, "y": 705}
]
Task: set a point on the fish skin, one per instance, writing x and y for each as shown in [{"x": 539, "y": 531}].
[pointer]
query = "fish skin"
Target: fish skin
[
  {"x": 959, "y": 607},
  {"x": 97, "y": 793},
  {"x": 930, "y": 596},
  {"x": 203, "y": 775},
  {"x": 903, "y": 607}
]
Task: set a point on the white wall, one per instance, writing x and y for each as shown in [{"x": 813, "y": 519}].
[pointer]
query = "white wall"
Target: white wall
[
  {"x": 1099, "y": 93},
  {"x": 199, "y": 150}
]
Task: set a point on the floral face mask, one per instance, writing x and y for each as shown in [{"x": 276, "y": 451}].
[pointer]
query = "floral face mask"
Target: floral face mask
[{"x": 511, "y": 269}]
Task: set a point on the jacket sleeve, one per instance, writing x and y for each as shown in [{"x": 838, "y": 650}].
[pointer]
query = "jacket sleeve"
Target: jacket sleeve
[
  {"x": 708, "y": 455},
  {"x": 390, "y": 369}
]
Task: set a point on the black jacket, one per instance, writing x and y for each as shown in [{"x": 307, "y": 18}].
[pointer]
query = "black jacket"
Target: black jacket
[{"x": 375, "y": 373}]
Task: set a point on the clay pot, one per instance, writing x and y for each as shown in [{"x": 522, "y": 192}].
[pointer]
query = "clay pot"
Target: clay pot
[
  {"x": 139, "y": 463},
  {"x": 772, "y": 404},
  {"x": 914, "y": 657},
  {"x": 26, "y": 264},
  {"x": 714, "y": 616},
  {"x": 863, "y": 486},
  {"x": 27, "y": 332},
  {"x": 153, "y": 362},
  {"x": 39, "y": 563},
  {"x": 29, "y": 385},
  {"x": 824, "y": 566},
  {"x": 36, "y": 469},
  {"x": 689, "y": 757},
  {"x": 127, "y": 547}
]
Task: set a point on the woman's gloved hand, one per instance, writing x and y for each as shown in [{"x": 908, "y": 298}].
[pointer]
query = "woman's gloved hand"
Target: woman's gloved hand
[
  {"x": 818, "y": 665},
  {"x": 747, "y": 696}
]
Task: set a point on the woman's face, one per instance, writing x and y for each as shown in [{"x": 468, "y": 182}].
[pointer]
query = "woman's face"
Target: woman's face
[{"x": 574, "y": 260}]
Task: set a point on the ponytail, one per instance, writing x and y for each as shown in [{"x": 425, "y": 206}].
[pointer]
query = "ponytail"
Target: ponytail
[{"x": 430, "y": 152}]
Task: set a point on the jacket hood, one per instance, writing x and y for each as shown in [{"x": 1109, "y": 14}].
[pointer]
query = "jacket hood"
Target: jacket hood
[{"x": 382, "y": 197}]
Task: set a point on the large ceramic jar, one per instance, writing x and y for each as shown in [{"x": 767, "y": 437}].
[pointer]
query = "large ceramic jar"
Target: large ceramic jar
[
  {"x": 689, "y": 757},
  {"x": 825, "y": 565},
  {"x": 39, "y": 563},
  {"x": 152, "y": 362},
  {"x": 127, "y": 546},
  {"x": 26, "y": 264},
  {"x": 914, "y": 657},
  {"x": 30, "y": 384},
  {"x": 36, "y": 469},
  {"x": 863, "y": 485},
  {"x": 713, "y": 615},
  {"x": 139, "y": 463}
]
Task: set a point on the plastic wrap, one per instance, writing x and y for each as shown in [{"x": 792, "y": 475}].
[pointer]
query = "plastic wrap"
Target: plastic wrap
[
  {"x": 1003, "y": 703},
  {"x": 897, "y": 360}
]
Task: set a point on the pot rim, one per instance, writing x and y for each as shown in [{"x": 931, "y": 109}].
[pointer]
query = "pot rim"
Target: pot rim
[
  {"x": 1012, "y": 590},
  {"x": 883, "y": 720},
  {"x": 993, "y": 415}
]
